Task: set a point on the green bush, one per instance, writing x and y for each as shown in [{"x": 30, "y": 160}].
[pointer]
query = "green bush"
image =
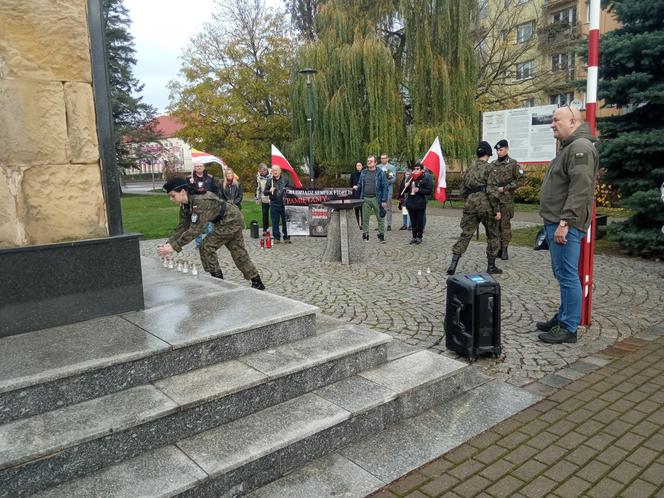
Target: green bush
[{"x": 529, "y": 192}]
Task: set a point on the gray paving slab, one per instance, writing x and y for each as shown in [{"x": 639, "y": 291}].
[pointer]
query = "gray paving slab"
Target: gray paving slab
[
  {"x": 412, "y": 443},
  {"x": 201, "y": 319},
  {"x": 160, "y": 473},
  {"x": 50, "y": 354},
  {"x": 332, "y": 475},
  {"x": 31, "y": 438},
  {"x": 413, "y": 370},
  {"x": 338, "y": 343},
  {"x": 627, "y": 295},
  {"x": 248, "y": 439},
  {"x": 356, "y": 394},
  {"x": 215, "y": 381}
]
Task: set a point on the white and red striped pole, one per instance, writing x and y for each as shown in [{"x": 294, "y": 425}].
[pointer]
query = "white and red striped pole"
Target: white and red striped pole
[{"x": 587, "y": 257}]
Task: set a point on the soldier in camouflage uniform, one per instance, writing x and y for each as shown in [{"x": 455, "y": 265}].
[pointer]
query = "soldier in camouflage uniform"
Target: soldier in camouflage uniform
[
  {"x": 481, "y": 206},
  {"x": 510, "y": 177},
  {"x": 195, "y": 212}
]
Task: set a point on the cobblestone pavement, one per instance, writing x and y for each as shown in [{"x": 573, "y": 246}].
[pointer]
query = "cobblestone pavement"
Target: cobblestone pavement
[
  {"x": 401, "y": 291},
  {"x": 600, "y": 436}
]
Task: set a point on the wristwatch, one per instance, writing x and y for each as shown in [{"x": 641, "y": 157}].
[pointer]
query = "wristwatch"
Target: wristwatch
[{"x": 562, "y": 223}]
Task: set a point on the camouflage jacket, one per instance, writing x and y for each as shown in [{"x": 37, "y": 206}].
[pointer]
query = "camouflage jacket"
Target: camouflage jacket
[
  {"x": 195, "y": 215},
  {"x": 480, "y": 175},
  {"x": 509, "y": 175}
]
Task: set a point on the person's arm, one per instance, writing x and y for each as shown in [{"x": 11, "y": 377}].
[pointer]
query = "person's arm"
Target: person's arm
[
  {"x": 580, "y": 168},
  {"x": 238, "y": 195},
  {"x": 426, "y": 186},
  {"x": 517, "y": 178},
  {"x": 202, "y": 211}
]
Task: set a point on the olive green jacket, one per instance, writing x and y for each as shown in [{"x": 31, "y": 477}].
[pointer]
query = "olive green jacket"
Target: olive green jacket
[
  {"x": 509, "y": 175},
  {"x": 569, "y": 182},
  {"x": 194, "y": 216}
]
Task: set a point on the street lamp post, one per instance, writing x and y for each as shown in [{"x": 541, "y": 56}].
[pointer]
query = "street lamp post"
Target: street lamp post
[{"x": 310, "y": 121}]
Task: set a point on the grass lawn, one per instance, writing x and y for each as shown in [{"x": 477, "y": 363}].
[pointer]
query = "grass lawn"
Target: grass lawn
[
  {"x": 155, "y": 216},
  {"x": 526, "y": 236}
]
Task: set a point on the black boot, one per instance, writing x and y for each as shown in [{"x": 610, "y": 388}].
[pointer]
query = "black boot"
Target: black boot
[
  {"x": 257, "y": 283},
  {"x": 217, "y": 274},
  {"x": 503, "y": 253},
  {"x": 453, "y": 265},
  {"x": 492, "y": 268}
]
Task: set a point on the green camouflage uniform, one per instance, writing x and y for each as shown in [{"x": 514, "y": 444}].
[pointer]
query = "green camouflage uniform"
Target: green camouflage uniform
[
  {"x": 509, "y": 176},
  {"x": 195, "y": 215},
  {"x": 480, "y": 207}
]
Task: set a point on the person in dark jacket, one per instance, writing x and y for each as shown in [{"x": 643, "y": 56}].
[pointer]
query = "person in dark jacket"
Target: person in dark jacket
[
  {"x": 373, "y": 188},
  {"x": 419, "y": 189},
  {"x": 402, "y": 195},
  {"x": 231, "y": 190},
  {"x": 566, "y": 202},
  {"x": 201, "y": 181},
  {"x": 276, "y": 189},
  {"x": 354, "y": 183}
]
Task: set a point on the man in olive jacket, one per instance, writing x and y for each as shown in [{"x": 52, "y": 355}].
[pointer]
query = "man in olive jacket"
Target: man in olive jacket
[
  {"x": 566, "y": 204},
  {"x": 195, "y": 213}
]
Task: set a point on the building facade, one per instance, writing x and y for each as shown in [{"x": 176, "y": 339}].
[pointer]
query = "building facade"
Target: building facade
[{"x": 535, "y": 46}]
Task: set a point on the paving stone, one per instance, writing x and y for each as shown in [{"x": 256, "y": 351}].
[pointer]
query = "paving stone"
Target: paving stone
[
  {"x": 472, "y": 486},
  {"x": 497, "y": 470},
  {"x": 593, "y": 471},
  {"x": 629, "y": 441},
  {"x": 529, "y": 470},
  {"x": 639, "y": 489},
  {"x": 439, "y": 485},
  {"x": 466, "y": 469},
  {"x": 406, "y": 483},
  {"x": 572, "y": 488},
  {"x": 436, "y": 468},
  {"x": 551, "y": 454},
  {"x": 505, "y": 487},
  {"x": 539, "y": 487},
  {"x": 581, "y": 455},
  {"x": 612, "y": 455},
  {"x": 560, "y": 471},
  {"x": 625, "y": 472},
  {"x": 654, "y": 474},
  {"x": 605, "y": 487}
]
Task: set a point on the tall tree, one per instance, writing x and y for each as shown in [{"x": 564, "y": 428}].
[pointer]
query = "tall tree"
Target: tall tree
[
  {"x": 393, "y": 74},
  {"x": 132, "y": 118},
  {"x": 303, "y": 17},
  {"x": 632, "y": 143},
  {"x": 234, "y": 97},
  {"x": 357, "y": 103}
]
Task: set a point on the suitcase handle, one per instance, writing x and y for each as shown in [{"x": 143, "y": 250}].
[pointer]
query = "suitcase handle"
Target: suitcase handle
[{"x": 459, "y": 307}]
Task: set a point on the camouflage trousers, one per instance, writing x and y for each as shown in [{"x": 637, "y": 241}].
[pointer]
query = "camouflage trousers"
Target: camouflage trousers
[
  {"x": 228, "y": 233},
  {"x": 469, "y": 223},
  {"x": 505, "y": 224}
]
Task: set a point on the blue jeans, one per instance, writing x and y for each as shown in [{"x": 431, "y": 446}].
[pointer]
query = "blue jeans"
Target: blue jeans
[
  {"x": 278, "y": 215},
  {"x": 565, "y": 265}
]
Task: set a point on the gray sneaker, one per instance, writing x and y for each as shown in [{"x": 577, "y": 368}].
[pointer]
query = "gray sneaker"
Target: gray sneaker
[
  {"x": 548, "y": 325},
  {"x": 557, "y": 335}
]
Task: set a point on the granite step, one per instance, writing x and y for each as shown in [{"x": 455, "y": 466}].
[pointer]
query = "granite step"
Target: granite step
[
  {"x": 49, "y": 448},
  {"x": 47, "y": 369},
  {"x": 247, "y": 453},
  {"x": 361, "y": 468}
]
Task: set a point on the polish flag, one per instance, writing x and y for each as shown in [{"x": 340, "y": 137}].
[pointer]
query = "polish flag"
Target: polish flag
[
  {"x": 278, "y": 159},
  {"x": 435, "y": 162}
]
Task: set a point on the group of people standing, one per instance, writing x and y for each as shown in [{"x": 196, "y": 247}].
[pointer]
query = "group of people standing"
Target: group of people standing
[
  {"x": 489, "y": 192},
  {"x": 269, "y": 191},
  {"x": 375, "y": 186}
]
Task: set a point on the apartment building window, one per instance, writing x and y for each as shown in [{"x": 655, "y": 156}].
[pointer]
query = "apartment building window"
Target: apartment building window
[
  {"x": 561, "y": 98},
  {"x": 563, "y": 62},
  {"x": 525, "y": 70},
  {"x": 525, "y": 31},
  {"x": 503, "y": 35},
  {"x": 565, "y": 16}
]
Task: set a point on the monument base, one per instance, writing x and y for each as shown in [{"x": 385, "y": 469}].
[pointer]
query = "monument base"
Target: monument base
[{"x": 57, "y": 284}]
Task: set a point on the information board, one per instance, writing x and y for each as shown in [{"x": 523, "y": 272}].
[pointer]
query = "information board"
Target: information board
[{"x": 527, "y": 129}]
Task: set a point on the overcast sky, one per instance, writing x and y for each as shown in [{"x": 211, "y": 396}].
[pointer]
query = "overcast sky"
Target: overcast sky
[{"x": 161, "y": 29}]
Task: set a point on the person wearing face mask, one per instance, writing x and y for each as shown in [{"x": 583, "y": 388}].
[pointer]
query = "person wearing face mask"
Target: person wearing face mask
[{"x": 419, "y": 189}]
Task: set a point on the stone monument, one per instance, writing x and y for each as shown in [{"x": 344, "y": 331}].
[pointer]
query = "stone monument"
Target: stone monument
[{"x": 63, "y": 255}]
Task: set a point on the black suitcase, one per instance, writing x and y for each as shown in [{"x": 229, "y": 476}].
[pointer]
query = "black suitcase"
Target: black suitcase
[{"x": 472, "y": 315}]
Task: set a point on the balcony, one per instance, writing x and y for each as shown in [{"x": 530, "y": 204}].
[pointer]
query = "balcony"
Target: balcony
[
  {"x": 557, "y": 4},
  {"x": 555, "y": 36}
]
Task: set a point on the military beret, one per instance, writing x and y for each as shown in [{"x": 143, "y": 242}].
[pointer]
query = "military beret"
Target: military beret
[
  {"x": 501, "y": 143},
  {"x": 484, "y": 149},
  {"x": 177, "y": 183}
]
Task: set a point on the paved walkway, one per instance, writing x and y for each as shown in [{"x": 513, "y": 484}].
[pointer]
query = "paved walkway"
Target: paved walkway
[
  {"x": 401, "y": 291},
  {"x": 600, "y": 436}
]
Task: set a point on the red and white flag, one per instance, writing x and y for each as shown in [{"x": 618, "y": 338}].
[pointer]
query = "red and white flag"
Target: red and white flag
[
  {"x": 278, "y": 159},
  {"x": 435, "y": 162}
]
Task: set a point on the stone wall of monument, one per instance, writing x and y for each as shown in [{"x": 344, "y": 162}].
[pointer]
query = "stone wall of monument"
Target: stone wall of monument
[{"x": 50, "y": 172}]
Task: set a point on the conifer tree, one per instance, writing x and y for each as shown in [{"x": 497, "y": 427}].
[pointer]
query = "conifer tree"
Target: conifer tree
[
  {"x": 132, "y": 118},
  {"x": 632, "y": 143}
]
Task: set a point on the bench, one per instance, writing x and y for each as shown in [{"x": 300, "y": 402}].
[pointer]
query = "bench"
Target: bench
[{"x": 453, "y": 195}]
